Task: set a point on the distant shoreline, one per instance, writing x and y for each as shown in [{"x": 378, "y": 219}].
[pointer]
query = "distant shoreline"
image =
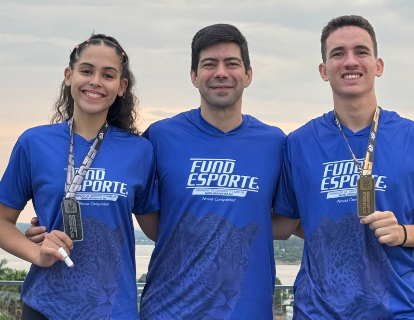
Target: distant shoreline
[{"x": 286, "y": 263}]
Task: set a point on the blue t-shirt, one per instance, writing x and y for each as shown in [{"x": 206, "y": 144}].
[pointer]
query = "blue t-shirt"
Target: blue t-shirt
[
  {"x": 213, "y": 258},
  {"x": 346, "y": 273},
  {"x": 102, "y": 284}
]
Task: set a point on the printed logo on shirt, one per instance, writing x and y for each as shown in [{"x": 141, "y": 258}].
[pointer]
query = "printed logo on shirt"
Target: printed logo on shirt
[
  {"x": 218, "y": 177},
  {"x": 95, "y": 187},
  {"x": 340, "y": 179}
]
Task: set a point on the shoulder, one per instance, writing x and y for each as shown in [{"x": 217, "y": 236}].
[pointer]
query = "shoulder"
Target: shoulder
[
  {"x": 321, "y": 125},
  {"x": 390, "y": 118},
  {"x": 263, "y": 128},
  {"x": 44, "y": 132},
  {"x": 162, "y": 127},
  {"x": 129, "y": 141}
]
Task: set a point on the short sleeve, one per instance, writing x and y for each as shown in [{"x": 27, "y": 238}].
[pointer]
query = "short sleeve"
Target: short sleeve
[
  {"x": 148, "y": 200},
  {"x": 15, "y": 186},
  {"x": 285, "y": 202}
]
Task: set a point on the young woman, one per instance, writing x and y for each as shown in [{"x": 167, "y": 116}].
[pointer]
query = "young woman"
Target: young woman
[{"x": 85, "y": 173}]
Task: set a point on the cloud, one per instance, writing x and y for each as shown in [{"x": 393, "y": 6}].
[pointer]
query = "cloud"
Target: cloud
[{"x": 36, "y": 39}]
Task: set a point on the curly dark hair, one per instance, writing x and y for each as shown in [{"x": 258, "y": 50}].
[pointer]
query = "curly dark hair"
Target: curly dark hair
[{"x": 122, "y": 113}]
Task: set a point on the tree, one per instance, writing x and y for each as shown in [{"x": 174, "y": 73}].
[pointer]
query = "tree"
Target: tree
[
  {"x": 14, "y": 275},
  {"x": 3, "y": 267},
  {"x": 10, "y": 303},
  {"x": 5, "y": 315}
]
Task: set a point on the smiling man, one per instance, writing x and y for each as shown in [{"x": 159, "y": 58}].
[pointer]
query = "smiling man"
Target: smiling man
[
  {"x": 217, "y": 171},
  {"x": 357, "y": 213}
]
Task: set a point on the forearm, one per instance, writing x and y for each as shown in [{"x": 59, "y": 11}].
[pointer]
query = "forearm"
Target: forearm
[
  {"x": 149, "y": 224},
  {"x": 299, "y": 231},
  {"x": 283, "y": 227},
  {"x": 12, "y": 240}
]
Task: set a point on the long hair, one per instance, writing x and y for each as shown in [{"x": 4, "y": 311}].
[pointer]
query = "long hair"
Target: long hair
[{"x": 122, "y": 113}]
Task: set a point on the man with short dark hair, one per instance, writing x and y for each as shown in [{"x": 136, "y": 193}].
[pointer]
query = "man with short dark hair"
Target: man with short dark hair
[
  {"x": 353, "y": 267},
  {"x": 217, "y": 171}
]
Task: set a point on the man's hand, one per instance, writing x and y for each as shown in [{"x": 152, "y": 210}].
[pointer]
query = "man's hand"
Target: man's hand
[
  {"x": 35, "y": 233},
  {"x": 386, "y": 227}
]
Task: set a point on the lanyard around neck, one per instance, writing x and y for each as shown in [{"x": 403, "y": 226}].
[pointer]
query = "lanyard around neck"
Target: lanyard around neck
[
  {"x": 73, "y": 182},
  {"x": 369, "y": 157}
]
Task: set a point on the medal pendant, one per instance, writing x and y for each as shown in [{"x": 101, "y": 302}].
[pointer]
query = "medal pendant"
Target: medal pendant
[
  {"x": 72, "y": 219},
  {"x": 365, "y": 196}
]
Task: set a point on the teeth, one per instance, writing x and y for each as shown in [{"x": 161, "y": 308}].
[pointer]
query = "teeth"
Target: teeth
[
  {"x": 93, "y": 95},
  {"x": 352, "y": 76}
]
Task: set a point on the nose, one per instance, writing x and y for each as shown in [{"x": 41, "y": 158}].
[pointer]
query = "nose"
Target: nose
[
  {"x": 351, "y": 61},
  {"x": 221, "y": 71},
  {"x": 95, "y": 80}
]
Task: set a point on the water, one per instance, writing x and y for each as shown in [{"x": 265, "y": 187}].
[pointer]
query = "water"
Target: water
[
  {"x": 286, "y": 273},
  {"x": 142, "y": 257}
]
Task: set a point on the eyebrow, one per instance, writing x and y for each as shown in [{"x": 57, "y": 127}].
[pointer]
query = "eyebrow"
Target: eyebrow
[
  {"x": 361, "y": 46},
  {"x": 92, "y": 66},
  {"x": 225, "y": 59}
]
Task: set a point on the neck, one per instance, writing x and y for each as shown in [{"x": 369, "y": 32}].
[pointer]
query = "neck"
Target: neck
[
  {"x": 355, "y": 115},
  {"x": 88, "y": 126},
  {"x": 224, "y": 119}
]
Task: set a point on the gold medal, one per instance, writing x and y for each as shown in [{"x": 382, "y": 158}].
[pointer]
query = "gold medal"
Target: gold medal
[
  {"x": 365, "y": 196},
  {"x": 366, "y": 183}
]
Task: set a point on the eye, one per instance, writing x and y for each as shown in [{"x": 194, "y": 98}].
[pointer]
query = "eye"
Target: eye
[
  {"x": 86, "y": 71},
  {"x": 209, "y": 65},
  {"x": 108, "y": 76},
  {"x": 233, "y": 64}
]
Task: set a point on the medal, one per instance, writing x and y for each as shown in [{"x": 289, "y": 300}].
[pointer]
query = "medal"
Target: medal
[
  {"x": 71, "y": 211},
  {"x": 365, "y": 196},
  {"x": 72, "y": 220},
  {"x": 366, "y": 183}
]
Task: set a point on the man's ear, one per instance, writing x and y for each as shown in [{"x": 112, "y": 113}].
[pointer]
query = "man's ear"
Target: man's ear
[
  {"x": 380, "y": 67},
  {"x": 322, "y": 72},
  {"x": 249, "y": 77},
  {"x": 194, "y": 78}
]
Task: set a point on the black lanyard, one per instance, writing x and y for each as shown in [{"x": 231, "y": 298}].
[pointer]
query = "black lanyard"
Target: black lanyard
[
  {"x": 73, "y": 182},
  {"x": 369, "y": 157}
]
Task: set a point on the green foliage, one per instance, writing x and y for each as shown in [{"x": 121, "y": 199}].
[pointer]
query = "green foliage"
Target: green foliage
[
  {"x": 14, "y": 275},
  {"x": 282, "y": 297},
  {"x": 5, "y": 315},
  {"x": 3, "y": 267},
  {"x": 290, "y": 250},
  {"x": 10, "y": 303}
]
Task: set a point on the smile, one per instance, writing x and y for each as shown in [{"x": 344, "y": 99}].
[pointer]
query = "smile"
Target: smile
[
  {"x": 93, "y": 95},
  {"x": 352, "y": 76},
  {"x": 221, "y": 88}
]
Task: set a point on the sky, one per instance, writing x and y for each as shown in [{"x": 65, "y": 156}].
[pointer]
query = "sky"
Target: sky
[{"x": 36, "y": 38}]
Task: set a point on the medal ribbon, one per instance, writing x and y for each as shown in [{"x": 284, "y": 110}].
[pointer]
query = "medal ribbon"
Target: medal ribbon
[
  {"x": 369, "y": 157},
  {"x": 73, "y": 182}
]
